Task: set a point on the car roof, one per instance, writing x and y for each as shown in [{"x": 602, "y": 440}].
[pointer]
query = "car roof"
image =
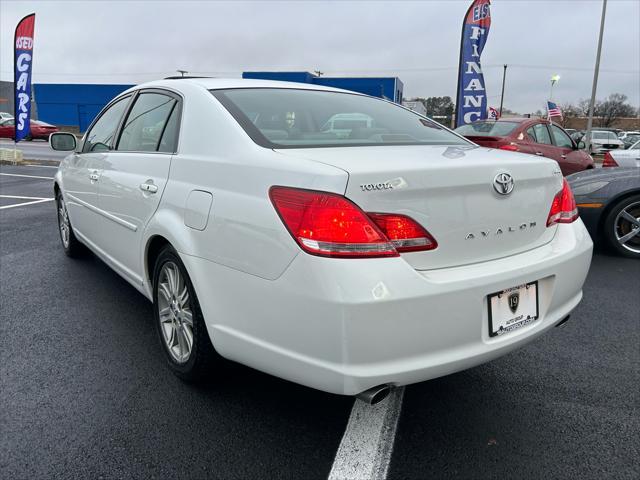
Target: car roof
[{"x": 228, "y": 83}]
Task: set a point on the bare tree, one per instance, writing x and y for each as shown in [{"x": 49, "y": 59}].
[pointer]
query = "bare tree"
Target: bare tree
[
  {"x": 614, "y": 107},
  {"x": 583, "y": 107},
  {"x": 569, "y": 111}
]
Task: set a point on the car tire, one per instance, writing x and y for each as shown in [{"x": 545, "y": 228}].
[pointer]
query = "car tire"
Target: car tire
[
  {"x": 618, "y": 226},
  {"x": 28, "y": 138},
  {"x": 179, "y": 322},
  {"x": 70, "y": 244}
]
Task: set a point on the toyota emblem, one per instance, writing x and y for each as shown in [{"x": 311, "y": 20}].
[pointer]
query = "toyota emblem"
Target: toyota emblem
[{"x": 503, "y": 183}]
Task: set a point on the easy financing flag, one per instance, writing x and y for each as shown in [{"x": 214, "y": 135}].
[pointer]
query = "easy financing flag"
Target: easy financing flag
[
  {"x": 471, "y": 100},
  {"x": 23, "y": 58}
]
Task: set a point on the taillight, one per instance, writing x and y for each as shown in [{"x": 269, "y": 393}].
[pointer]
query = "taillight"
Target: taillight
[
  {"x": 404, "y": 232},
  {"x": 608, "y": 161},
  {"x": 563, "y": 207},
  {"x": 330, "y": 225},
  {"x": 512, "y": 147}
]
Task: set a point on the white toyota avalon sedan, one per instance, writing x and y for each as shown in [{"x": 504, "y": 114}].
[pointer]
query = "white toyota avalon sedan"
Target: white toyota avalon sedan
[{"x": 329, "y": 238}]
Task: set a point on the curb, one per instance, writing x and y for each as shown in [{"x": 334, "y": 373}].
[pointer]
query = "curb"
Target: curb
[{"x": 29, "y": 161}]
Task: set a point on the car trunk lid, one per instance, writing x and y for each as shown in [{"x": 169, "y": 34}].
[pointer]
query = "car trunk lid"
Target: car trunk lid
[{"x": 450, "y": 192}]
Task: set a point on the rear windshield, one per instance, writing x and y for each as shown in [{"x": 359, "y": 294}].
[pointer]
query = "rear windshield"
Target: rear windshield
[
  {"x": 296, "y": 118},
  {"x": 487, "y": 129}
]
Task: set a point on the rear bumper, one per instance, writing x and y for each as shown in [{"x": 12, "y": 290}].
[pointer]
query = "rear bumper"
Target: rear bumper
[{"x": 345, "y": 326}]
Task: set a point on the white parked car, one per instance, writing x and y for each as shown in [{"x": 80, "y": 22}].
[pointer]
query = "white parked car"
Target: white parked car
[
  {"x": 623, "y": 135},
  {"x": 603, "y": 141},
  {"x": 5, "y": 116},
  {"x": 350, "y": 265},
  {"x": 623, "y": 158}
]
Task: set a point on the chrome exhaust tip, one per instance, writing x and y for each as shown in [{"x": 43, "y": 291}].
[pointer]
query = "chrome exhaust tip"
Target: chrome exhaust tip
[{"x": 375, "y": 394}]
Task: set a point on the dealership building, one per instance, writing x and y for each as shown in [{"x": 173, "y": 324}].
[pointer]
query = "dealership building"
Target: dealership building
[{"x": 75, "y": 105}]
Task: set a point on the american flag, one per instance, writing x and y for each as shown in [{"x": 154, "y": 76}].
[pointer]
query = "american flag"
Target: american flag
[{"x": 553, "y": 110}]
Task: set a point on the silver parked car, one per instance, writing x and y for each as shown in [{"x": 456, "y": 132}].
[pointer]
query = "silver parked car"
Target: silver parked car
[{"x": 603, "y": 141}]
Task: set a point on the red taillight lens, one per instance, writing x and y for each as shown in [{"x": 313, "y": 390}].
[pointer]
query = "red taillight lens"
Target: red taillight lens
[
  {"x": 608, "y": 161},
  {"x": 510, "y": 147},
  {"x": 563, "y": 207},
  {"x": 404, "y": 232},
  {"x": 329, "y": 225}
]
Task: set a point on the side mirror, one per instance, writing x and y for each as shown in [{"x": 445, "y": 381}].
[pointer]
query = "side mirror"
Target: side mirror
[
  {"x": 63, "y": 141},
  {"x": 582, "y": 145}
]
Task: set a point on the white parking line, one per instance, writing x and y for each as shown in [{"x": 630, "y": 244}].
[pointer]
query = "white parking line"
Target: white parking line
[
  {"x": 25, "y": 198},
  {"x": 33, "y": 201},
  {"x": 365, "y": 449},
  {"x": 26, "y": 176}
]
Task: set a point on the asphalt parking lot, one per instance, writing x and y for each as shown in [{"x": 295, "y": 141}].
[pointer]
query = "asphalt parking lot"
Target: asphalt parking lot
[{"x": 84, "y": 392}]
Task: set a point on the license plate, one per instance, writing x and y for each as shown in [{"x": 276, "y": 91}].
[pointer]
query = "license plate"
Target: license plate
[{"x": 512, "y": 308}]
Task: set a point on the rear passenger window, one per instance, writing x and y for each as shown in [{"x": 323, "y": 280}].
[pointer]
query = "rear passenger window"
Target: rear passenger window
[
  {"x": 169, "y": 140},
  {"x": 542, "y": 134},
  {"x": 145, "y": 124}
]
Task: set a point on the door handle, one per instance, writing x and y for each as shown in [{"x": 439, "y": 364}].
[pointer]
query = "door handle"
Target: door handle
[
  {"x": 563, "y": 156},
  {"x": 148, "y": 187},
  {"x": 540, "y": 154}
]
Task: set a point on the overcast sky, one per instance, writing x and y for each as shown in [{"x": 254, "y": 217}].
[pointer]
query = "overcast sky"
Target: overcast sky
[{"x": 418, "y": 41}]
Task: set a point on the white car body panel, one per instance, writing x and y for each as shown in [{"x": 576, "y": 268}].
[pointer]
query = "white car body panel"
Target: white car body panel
[
  {"x": 629, "y": 157},
  {"x": 81, "y": 191},
  {"x": 340, "y": 325},
  {"x": 127, "y": 208},
  {"x": 461, "y": 200}
]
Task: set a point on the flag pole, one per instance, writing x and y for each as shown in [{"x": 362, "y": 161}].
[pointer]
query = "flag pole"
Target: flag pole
[
  {"x": 587, "y": 137},
  {"x": 504, "y": 75}
]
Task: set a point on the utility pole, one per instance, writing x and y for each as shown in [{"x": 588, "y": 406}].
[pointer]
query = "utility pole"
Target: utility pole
[
  {"x": 587, "y": 137},
  {"x": 182, "y": 72},
  {"x": 504, "y": 75}
]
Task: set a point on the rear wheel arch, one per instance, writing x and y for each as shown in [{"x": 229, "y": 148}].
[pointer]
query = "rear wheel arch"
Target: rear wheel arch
[
  {"x": 154, "y": 246},
  {"x": 612, "y": 203}
]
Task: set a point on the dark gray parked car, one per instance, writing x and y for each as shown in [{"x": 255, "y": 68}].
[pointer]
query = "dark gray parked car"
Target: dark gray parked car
[{"x": 608, "y": 200}]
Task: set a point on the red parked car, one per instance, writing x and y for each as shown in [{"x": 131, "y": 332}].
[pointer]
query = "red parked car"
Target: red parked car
[
  {"x": 39, "y": 130},
  {"x": 530, "y": 135}
]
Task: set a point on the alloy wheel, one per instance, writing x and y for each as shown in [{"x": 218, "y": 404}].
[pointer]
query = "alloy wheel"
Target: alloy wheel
[
  {"x": 627, "y": 227},
  {"x": 63, "y": 222},
  {"x": 175, "y": 312}
]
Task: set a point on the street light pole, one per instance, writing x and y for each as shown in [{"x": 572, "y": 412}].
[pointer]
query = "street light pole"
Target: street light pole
[
  {"x": 504, "y": 75},
  {"x": 587, "y": 137},
  {"x": 554, "y": 80}
]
